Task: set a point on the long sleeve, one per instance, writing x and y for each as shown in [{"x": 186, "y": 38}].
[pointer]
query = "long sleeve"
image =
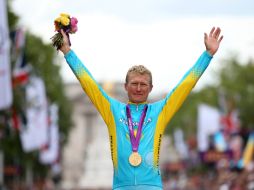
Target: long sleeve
[
  {"x": 98, "y": 97},
  {"x": 94, "y": 91},
  {"x": 178, "y": 95}
]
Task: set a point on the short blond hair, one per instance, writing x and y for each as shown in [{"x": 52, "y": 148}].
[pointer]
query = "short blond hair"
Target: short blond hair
[{"x": 140, "y": 69}]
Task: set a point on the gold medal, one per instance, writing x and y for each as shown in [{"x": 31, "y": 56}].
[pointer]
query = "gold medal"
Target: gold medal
[{"x": 135, "y": 159}]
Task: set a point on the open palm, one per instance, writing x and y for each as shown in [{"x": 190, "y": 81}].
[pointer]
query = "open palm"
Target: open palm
[{"x": 212, "y": 41}]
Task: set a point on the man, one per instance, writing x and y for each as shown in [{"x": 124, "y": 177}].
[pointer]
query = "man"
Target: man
[{"x": 136, "y": 128}]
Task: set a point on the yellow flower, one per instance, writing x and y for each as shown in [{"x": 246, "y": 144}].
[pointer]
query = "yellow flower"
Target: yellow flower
[
  {"x": 58, "y": 19},
  {"x": 65, "y": 21},
  {"x": 65, "y": 15}
]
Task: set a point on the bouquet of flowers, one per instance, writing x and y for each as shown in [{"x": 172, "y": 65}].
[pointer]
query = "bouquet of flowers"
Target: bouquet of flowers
[{"x": 68, "y": 25}]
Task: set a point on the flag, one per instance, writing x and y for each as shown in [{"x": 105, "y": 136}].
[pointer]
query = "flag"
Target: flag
[
  {"x": 230, "y": 123},
  {"x": 15, "y": 120},
  {"x": 208, "y": 124},
  {"x": 180, "y": 144},
  {"x": 50, "y": 154},
  {"x": 21, "y": 68},
  {"x": 248, "y": 153},
  {"x": 35, "y": 134},
  {"x": 5, "y": 73}
]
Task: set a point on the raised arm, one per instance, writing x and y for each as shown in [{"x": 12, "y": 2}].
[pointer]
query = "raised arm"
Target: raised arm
[
  {"x": 94, "y": 91},
  {"x": 178, "y": 95}
]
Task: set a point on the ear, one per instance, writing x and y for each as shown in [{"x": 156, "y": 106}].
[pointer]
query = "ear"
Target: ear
[
  {"x": 125, "y": 86},
  {"x": 151, "y": 87}
]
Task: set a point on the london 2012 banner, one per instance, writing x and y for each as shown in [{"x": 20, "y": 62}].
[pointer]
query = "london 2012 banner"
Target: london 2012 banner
[{"x": 5, "y": 73}]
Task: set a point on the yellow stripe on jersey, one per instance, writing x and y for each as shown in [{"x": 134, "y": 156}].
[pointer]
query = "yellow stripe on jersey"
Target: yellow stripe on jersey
[{"x": 172, "y": 105}]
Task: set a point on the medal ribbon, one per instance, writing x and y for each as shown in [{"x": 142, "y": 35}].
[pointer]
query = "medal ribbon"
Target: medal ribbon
[{"x": 135, "y": 140}]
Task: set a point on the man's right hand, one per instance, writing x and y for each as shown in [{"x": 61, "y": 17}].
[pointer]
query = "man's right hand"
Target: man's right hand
[{"x": 65, "y": 47}]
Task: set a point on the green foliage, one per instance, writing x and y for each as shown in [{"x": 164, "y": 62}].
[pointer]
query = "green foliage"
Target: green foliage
[
  {"x": 238, "y": 81},
  {"x": 12, "y": 17}
]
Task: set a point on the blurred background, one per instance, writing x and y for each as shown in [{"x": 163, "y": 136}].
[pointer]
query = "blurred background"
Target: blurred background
[{"x": 51, "y": 137}]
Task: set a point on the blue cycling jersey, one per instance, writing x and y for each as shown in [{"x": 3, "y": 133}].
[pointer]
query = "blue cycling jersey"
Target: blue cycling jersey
[{"x": 157, "y": 118}]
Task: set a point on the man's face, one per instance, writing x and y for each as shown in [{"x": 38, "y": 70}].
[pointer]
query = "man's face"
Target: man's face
[{"x": 138, "y": 87}]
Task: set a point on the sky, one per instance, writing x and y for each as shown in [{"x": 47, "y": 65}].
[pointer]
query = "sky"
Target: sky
[{"x": 164, "y": 35}]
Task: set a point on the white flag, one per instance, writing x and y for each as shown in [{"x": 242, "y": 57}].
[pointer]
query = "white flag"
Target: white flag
[
  {"x": 208, "y": 124},
  {"x": 5, "y": 73},
  {"x": 50, "y": 155},
  {"x": 35, "y": 134},
  {"x": 180, "y": 144}
]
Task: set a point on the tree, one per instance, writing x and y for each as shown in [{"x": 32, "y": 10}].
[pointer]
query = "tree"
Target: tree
[{"x": 237, "y": 80}]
